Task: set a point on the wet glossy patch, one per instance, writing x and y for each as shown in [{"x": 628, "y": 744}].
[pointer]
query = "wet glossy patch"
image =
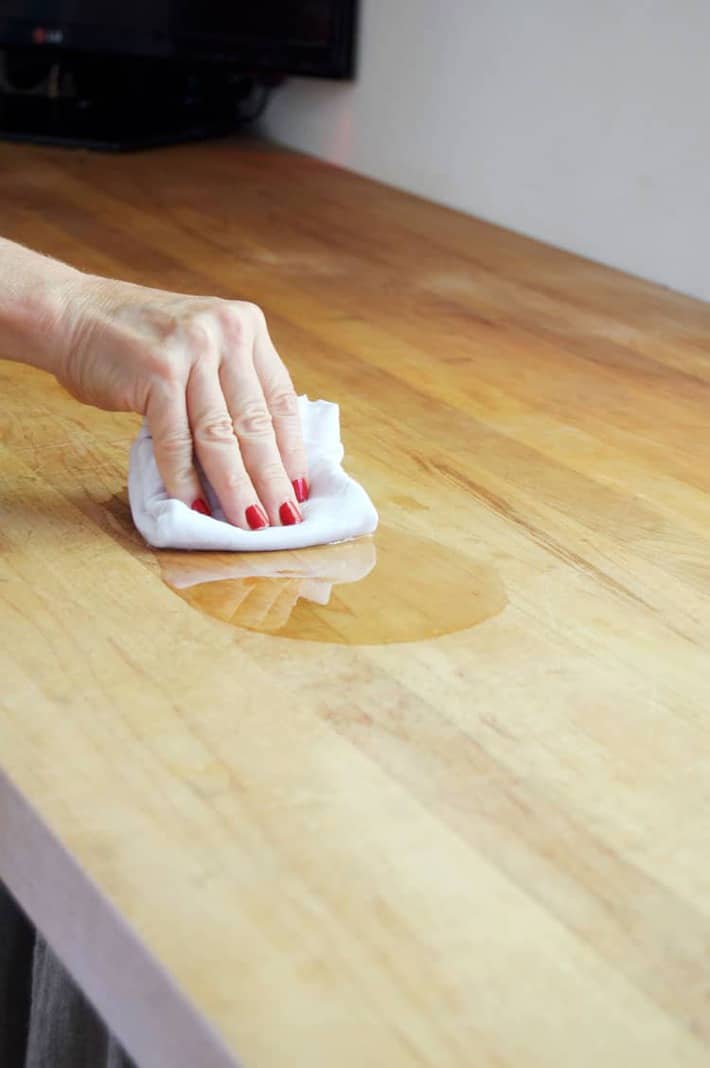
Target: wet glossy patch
[{"x": 397, "y": 587}]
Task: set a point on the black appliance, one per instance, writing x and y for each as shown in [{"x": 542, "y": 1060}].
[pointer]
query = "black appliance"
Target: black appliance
[{"x": 122, "y": 74}]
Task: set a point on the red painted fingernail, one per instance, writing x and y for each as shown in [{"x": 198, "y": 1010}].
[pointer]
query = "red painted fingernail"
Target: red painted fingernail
[
  {"x": 300, "y": 488},
  {"x": 256, "y": 518},
  {"x": 289, "y": 514},
  {"x": 200, "y": 505}
]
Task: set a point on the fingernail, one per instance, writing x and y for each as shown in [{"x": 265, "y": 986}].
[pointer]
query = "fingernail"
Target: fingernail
[
  {"x": 200, "y": 505},
  {"x": 289, "y": 514},
  {"x": 256, "y": 518},
  {"x": 300, "y": 488}
]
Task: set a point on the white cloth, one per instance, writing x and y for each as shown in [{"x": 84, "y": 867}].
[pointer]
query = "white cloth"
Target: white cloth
[{"x": 338, "y": 508}]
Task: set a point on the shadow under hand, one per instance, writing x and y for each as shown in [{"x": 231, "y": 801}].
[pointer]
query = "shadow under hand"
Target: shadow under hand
[{"x": 335, "y": 593}]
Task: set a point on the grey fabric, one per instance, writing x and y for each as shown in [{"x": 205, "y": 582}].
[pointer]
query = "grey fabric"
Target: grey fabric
[
  {"x": 65, "y": 1031},
  {"x": 45, "y": 1020},
  {"x": 17, "y": 939}
]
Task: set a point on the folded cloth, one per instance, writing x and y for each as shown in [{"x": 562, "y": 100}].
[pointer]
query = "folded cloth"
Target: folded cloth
[{"x": 337, "y": 508}]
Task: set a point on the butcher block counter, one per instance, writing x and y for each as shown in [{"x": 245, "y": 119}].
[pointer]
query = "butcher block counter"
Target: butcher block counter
[{"x": 439, "y": 797}]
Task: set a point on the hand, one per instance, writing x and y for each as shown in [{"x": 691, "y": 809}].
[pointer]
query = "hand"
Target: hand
[{"x": 206, "y": 375}]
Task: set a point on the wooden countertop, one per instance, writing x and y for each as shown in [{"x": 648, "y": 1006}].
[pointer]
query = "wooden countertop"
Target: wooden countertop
[{"x": 458, "y": 815}]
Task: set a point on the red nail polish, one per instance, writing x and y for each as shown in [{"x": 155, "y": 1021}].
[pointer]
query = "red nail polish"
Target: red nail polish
[
  {"x": 200, "y": 505},
  {"x": 256, "y": 518},
  {"x": 300, "y": 488},
  {"x": 289, "y": 514}
]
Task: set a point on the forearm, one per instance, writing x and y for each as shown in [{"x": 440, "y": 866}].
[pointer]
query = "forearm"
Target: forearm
[{"x": 33, "y": 301}]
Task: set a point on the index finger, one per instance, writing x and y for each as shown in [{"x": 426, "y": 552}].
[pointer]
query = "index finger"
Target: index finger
[{"x": 172, "y": 446}]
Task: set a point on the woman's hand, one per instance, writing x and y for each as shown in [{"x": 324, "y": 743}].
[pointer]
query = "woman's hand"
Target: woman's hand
[{"x": 206, "y": 375}]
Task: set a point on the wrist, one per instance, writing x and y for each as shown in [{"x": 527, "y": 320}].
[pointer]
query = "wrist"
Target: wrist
[
  {"x": 49, "y": 320},
  {"x": 35, "y": 313}
]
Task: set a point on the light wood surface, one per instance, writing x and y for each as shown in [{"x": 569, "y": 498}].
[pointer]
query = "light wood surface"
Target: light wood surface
[{"x": 460, "y": 813}]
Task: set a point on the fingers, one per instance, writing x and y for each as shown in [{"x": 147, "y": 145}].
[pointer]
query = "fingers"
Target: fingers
[
  {"x": 227, "y": 398},
  {"x": 282, "y": 402},
  {"x": 218, "y": 449},
  {"x": 172, "y": 445},
  {"x": 254, "y": 428}
]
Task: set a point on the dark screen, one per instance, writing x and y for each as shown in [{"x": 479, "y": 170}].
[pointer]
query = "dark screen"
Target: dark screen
[
  {"x": 120, "y": 13},
  {"x": 281, "y": 36},
  {"x": 309, "y": 21}
]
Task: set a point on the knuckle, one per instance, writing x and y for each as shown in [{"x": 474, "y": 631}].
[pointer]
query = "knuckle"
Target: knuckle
[
  {"x": 174, "y": 376},
  {"x": 254, "y": 421},
  {"x": 161, "y": 365},
  {"x": 198, "y": 338},
  {"x": 295, "y": 458},
  {"x": 272, "y": 473},
  {"x": 254, "y": 312},
  {"x": 238, "y": 483},
  {"x": 215, "y": 430},
  {"x": 174, "y": 445},
  {"x": 284, "y": 403},
  {"x": 232, "y": 321},
  {"x": 180, "y": 475}
]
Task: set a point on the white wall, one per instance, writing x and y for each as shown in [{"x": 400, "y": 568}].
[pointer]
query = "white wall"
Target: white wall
[{"x": 582, "y": 122}]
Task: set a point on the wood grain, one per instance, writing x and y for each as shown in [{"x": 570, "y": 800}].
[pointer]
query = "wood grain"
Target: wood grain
[{"x": 460, "y": 814}]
